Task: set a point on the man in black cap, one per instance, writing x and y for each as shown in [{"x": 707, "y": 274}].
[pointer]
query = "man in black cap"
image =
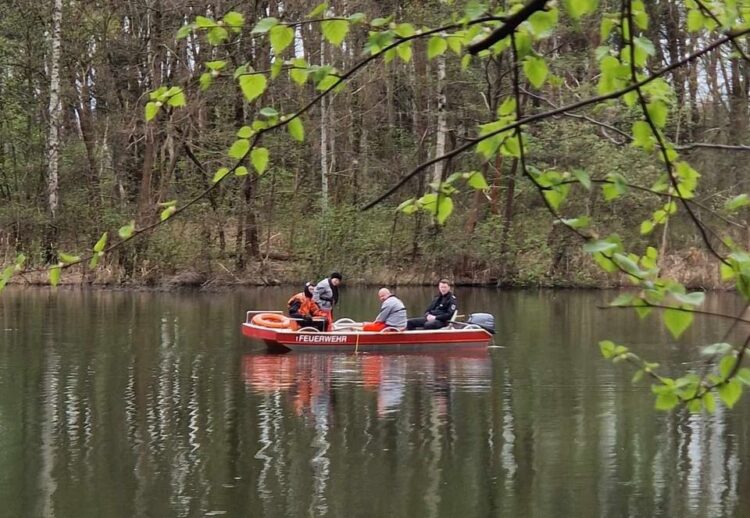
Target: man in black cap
[{"x": 326, "y": 295}]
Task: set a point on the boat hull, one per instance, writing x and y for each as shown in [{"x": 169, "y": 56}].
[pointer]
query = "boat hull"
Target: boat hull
[{"x": 440, "y": 339}]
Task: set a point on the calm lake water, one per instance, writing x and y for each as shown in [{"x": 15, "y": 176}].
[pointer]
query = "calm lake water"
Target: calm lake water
[{"x": 127, "y": 404}]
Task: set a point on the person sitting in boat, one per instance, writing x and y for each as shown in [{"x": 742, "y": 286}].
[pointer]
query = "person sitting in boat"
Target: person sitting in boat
[
  {"x": 392, "y": 313},
  {"x": 303, "y": 308},
  {"x": 439, "y": 312},
  {"x": 326, "y": 294}
]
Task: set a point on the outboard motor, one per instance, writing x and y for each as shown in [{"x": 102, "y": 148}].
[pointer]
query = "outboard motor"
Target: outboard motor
[{"x": 484, "y": 320}]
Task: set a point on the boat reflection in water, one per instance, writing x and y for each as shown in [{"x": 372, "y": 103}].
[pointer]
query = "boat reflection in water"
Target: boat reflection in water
[{"x": 310, "y": 381}]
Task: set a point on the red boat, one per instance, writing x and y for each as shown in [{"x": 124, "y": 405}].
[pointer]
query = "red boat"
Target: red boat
[{"x": 347, "y": 335}]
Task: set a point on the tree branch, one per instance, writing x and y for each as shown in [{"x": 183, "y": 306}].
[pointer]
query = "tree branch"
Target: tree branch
[
  {"x": 509, "y": 27},
  {"x": 551, "y": 113}
]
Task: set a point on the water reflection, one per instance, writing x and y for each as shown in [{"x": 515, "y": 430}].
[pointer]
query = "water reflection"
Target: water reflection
[
  {"x": 137, "y": 405},
  {"x": 308, "y": 380}
]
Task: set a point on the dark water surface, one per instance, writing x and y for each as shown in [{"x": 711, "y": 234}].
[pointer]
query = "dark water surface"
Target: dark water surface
[{"x": 120, "y": 404}]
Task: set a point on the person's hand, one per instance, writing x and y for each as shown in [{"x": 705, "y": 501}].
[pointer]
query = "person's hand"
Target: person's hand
[{"x": 430, "y": 318}]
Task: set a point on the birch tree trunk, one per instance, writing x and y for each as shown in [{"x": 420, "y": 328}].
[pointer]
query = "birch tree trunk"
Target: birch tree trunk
[
  {"x": 442, "y": 121},
  {"x": 323, "y": 141},
  {"x": 53, "y": 137}
]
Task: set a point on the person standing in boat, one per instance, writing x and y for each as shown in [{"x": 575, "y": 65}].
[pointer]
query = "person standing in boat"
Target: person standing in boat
[
  {"x": 302, "y": 307},
  {"x": 326, "y": 295},
  {"x": 439, "y": 312},
  {"x": 392, "y": 313}
]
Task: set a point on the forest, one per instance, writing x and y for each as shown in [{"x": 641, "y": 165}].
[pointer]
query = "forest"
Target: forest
[{"x": 122, "y": 124}]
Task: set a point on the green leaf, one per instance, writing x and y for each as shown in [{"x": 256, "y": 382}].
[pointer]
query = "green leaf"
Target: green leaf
[
  {"x": 726, "y": 271},
  {"x": 217, "y": 35},
  {"x": 299, "y": 71},
  {"x": 578, "y": 8},
  {"x": 695, "y": 405},
  {"x": 166, "y": 213},
  {"x": 68, "y": 258},
  {"x": 709, "y": 403},
  {"x": 296, "y": 129},
  {"x": 335, "y": 30},
  {"x": 583, "y": 178},
  {"x": 126, "y": 231},
  {"x": 95, "y": 260},
  {"x": 677, "y": 321},
  {"x": 695, "y": 20},
  {"x": 445, "y": 208},
  {"x": 599, "y": 246},
  {"x": 245, "y": 132},
  {"x": 642, "y": 135},
  {"x": 54, "y": 276},
  {"x": 177, "y": 100},
  {"x": 239, "y": 149},
  {"x": 739, "y": 201},
  {"x": 204, "y": 23},
  {"x": 404, "y": 52},
  {"x": 234, "y": 19},
  {"x": 405, "y": 30},
  {"x": 281, "y": 37},
  {"x": 259, "y": 159},
  {"x": 658, "y": 112},
  {"x": 264, "y": 25},
  {"x": 717, "y": 348},
  {"x": 436, "y": 47},
  {"x": 269, "y": 112},
  {"x": 252, "y": 85},
  {"x": 695, "y": 298},
  {"x": 638, "y": 376},
  {"x": 241, "y": 171},
  {"x": 327, "y": 83},
  {"x": 615, "y": 189},
  {"x": 408, "y": 206},
  {"x": 216, "y": 65},
  {"x": 184, "y": 31},
  {"x": 99, "y": 246},
  {"x": 476, "y": 181},
  {"x": 607, "y": 347},
  {"x": 542, "y": 22},
  {"x": 152, "y": 109},
  {"x": 219, "y": 174},
  {"x": 205, "y": 81},
  {"x": 5, "y": 277},
  {"x": 726, "y": 365},
  {"x": 647, "y": 227},
  {"x": 623, "y": 299},
  {"x": 627, "y": 264},
  {"x": 536, "y": 70},
  {"x": 744, "y": 375},
  {"x": 319, "y": 9},
  {"x": 666, "y": 401},
  {"x": 730, "y": 392}
]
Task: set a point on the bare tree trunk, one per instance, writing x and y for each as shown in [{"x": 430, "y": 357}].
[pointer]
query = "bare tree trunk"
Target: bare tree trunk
[{"x": 53, "y": 138}]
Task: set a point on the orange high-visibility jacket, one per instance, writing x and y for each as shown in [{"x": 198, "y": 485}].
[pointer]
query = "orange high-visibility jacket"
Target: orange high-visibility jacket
[{"x": 307, "y": 306}]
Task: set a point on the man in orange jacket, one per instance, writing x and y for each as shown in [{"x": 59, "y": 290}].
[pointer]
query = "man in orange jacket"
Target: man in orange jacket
[{"x": 303, "y": 307}]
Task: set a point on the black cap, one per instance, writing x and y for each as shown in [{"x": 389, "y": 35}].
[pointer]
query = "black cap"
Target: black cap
[{"x": 336, "y": 275}]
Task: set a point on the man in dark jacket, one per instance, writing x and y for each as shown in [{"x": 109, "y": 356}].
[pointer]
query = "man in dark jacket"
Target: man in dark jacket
[{"x": 439, "y": 312}]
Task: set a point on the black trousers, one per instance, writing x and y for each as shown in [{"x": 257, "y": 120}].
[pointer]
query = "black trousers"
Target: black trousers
[{"x": 416, "y": 323}]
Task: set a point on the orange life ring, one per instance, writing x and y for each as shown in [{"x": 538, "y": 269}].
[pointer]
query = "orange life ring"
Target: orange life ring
[{"x": 272, "y": 320}]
